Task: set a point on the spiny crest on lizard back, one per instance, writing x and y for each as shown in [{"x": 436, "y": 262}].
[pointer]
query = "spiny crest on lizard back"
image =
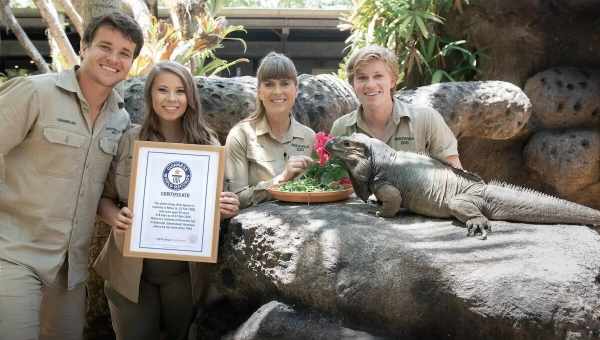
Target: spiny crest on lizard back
[{"x": 526, "y": 190}]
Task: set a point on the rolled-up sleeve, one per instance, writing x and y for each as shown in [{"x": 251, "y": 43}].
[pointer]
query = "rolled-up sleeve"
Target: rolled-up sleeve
[
  {"x": 442, "y": 140},
  {"x": 237, "y": 171},
  {"x": 19, "y": 109}
]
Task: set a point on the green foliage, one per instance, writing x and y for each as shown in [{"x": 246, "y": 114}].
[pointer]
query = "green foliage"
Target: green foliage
[
  {"x": 164, "y": 42},
  {"x": 313, "y": 4},
  {"x": 413, "y": 30},
  {"x": 332, "y": 171}
]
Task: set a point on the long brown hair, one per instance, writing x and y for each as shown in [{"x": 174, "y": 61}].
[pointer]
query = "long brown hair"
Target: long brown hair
[
  {"x": 273, "y": 66},
  {"x": 195, "y": 127}
]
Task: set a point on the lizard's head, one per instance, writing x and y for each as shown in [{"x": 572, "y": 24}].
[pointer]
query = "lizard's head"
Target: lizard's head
[
  {"x": 350, "y": 149},
  {"x": 355, "y": 152}
]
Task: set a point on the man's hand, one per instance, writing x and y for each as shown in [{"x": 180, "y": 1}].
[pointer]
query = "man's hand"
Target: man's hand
[{"x": 230, "y": 205}]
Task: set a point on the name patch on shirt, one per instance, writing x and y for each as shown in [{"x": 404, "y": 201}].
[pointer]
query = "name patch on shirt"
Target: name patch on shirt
[
  {"x": 66, "y": 121},
  {"x": 300, "y": 147},
  {"x": 404, "y": 140}
]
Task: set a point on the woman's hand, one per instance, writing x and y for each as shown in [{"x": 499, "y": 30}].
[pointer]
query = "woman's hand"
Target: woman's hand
[
  {"x": 294, "y": 167},
  {"x": 123, "y": 220},
  {"x": 230, "y": 205}
]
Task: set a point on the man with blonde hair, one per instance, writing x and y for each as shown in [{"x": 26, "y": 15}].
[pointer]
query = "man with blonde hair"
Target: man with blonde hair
[{"x": 373, "y": 72}]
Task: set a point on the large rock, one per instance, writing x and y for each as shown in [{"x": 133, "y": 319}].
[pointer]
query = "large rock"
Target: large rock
[
  {"x": 276, "y": 320},
  {"x": 519, "y": 38},
  {"x": 487, "y": 110},
  {"x": 568, "y": 160},
  {"x": 564, "y": 97},
  {"x": 416, "y": 277}
]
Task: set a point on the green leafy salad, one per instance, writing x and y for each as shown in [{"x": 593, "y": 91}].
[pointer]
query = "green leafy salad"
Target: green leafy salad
[{"x": 326, "y": 175}]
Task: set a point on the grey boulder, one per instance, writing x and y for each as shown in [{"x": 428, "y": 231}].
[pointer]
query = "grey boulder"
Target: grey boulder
[{"x": 416, "y": 277}]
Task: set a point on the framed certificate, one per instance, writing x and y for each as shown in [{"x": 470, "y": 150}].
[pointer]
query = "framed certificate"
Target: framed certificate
[{"x": 174, "y": 195}]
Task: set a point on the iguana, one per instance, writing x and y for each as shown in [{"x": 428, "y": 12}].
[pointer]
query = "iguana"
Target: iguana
[{"x": 429, "y": 187}]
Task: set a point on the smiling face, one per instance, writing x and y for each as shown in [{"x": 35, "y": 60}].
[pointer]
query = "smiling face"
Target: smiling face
[
  {"x": 169, "y": 98},
  {"x": 277, "y": 96},
  {"x": 107, "y": 59},
  {"x": 373, "y": 83}
]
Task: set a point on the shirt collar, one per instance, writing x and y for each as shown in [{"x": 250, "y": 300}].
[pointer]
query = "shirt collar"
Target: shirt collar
[
  {"x": 67, "y": 80},
  {"x": 399, "y": 110},
  {"x": 294, "y": 131}
]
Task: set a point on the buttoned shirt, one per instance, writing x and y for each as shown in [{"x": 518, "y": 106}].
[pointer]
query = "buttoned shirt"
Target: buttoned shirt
[
  {"x": 254, "y": 156},
  {"x": 411, "y": 128},
  {"x": 53, "y": 163}
]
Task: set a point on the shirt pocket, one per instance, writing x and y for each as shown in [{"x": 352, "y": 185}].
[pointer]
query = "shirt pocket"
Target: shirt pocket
[
  {"x": 61, "y": 153},
  {"x": 263, "y": 165},
  {"x": 107, "y": 150}
]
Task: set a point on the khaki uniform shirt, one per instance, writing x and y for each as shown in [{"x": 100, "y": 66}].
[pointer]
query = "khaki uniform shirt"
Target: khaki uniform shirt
[
  {"x": 53, "y": 163},
  {"x": 254, "y": 157},
  {"x": 125, "y": 273},
  {"x": 416, "y": 129}
]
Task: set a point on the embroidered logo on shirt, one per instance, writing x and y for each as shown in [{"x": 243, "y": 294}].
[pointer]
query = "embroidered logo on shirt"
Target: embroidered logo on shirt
[
  {"x": 177, "y": 175},
  {"x": 404, "y": 140},
  {"x": 113, "y": 130},
  {"x": 299, "y": 147}
]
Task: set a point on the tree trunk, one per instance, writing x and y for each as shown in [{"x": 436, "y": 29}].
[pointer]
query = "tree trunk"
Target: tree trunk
[
  {"x": 30, "y": 49},
  {"x": 141, "y": 13},
  {"x": 73, "y": 15},
  {"x": 183, "y": 13},
  {"x": 48, "y": 12},
  {"x": 94, "y": 8}
]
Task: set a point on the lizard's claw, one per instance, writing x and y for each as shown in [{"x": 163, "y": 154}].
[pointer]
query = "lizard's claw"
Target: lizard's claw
[{"x": 478, "y": 225}]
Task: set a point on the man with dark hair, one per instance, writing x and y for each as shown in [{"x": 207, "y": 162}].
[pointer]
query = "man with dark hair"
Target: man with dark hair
[{"x": 58, "y": 135}]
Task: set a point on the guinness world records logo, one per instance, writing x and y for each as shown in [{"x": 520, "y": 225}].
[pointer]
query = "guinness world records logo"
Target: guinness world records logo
[{"x": 176, "y": 175}]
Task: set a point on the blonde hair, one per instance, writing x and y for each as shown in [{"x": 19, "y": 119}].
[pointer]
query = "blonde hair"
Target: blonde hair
[
  {"x": 273, "y": 66},
  {"x": 368, "y": 54},
  {"x": 195, "y": 127}
]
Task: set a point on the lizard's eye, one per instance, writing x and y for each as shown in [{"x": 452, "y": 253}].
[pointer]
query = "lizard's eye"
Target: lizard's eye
[{"x": 346, "y": 143}]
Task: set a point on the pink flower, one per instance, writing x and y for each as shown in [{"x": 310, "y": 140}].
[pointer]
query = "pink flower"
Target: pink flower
[
  {"x": 321, "y": 138},
  {"x": 345, "y": 181}
]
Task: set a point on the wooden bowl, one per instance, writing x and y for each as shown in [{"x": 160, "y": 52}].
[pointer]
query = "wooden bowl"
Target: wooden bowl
[{"x": 311, "y": 197}]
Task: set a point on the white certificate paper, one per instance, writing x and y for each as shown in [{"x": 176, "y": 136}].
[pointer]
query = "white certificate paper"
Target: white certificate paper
[{"x": 175, "y": 190}]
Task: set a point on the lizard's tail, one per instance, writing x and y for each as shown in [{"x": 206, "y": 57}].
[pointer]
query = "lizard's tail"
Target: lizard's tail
[{"x": 513, "y": 203}]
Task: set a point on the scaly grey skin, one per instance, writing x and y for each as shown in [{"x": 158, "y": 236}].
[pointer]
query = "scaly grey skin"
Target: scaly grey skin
[{"x": 429, "y": 187}]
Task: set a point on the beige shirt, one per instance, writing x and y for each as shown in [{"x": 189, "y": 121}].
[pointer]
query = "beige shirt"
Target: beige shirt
[
  {"x": 125, "y": 273},
  {"x": 254, "y": 156},
  {"x": 53, "y": 163},
  {"x": 412, "y": 128}
]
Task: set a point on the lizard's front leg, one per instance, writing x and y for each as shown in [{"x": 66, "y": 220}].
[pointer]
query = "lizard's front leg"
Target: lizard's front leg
[{"x": 390, "y": 198}]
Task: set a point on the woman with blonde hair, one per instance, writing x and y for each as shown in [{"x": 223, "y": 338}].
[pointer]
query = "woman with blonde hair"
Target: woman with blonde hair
[
  {"x": 373, "y": 72},
  {"x": 269, "y": 146},
  {"x": 148, "y": 296}
]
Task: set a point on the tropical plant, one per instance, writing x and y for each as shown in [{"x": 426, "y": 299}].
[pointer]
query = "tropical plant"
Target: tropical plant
[
  {"x": 164, "y": 42},
  {"x": 413, "y": 30}
]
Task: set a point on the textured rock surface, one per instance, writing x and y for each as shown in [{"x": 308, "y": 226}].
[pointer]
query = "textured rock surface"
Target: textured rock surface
[
  {"x": 487, "y": 110},
  {"x": 322, "y": 99},
  {"x": 568, "y": 160},
  {"x": 412, "y": 276},
  {"x": 521, "y": 38},
  {"x": 276, "y": 320},
  {"x": 564, "y": 98}
]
